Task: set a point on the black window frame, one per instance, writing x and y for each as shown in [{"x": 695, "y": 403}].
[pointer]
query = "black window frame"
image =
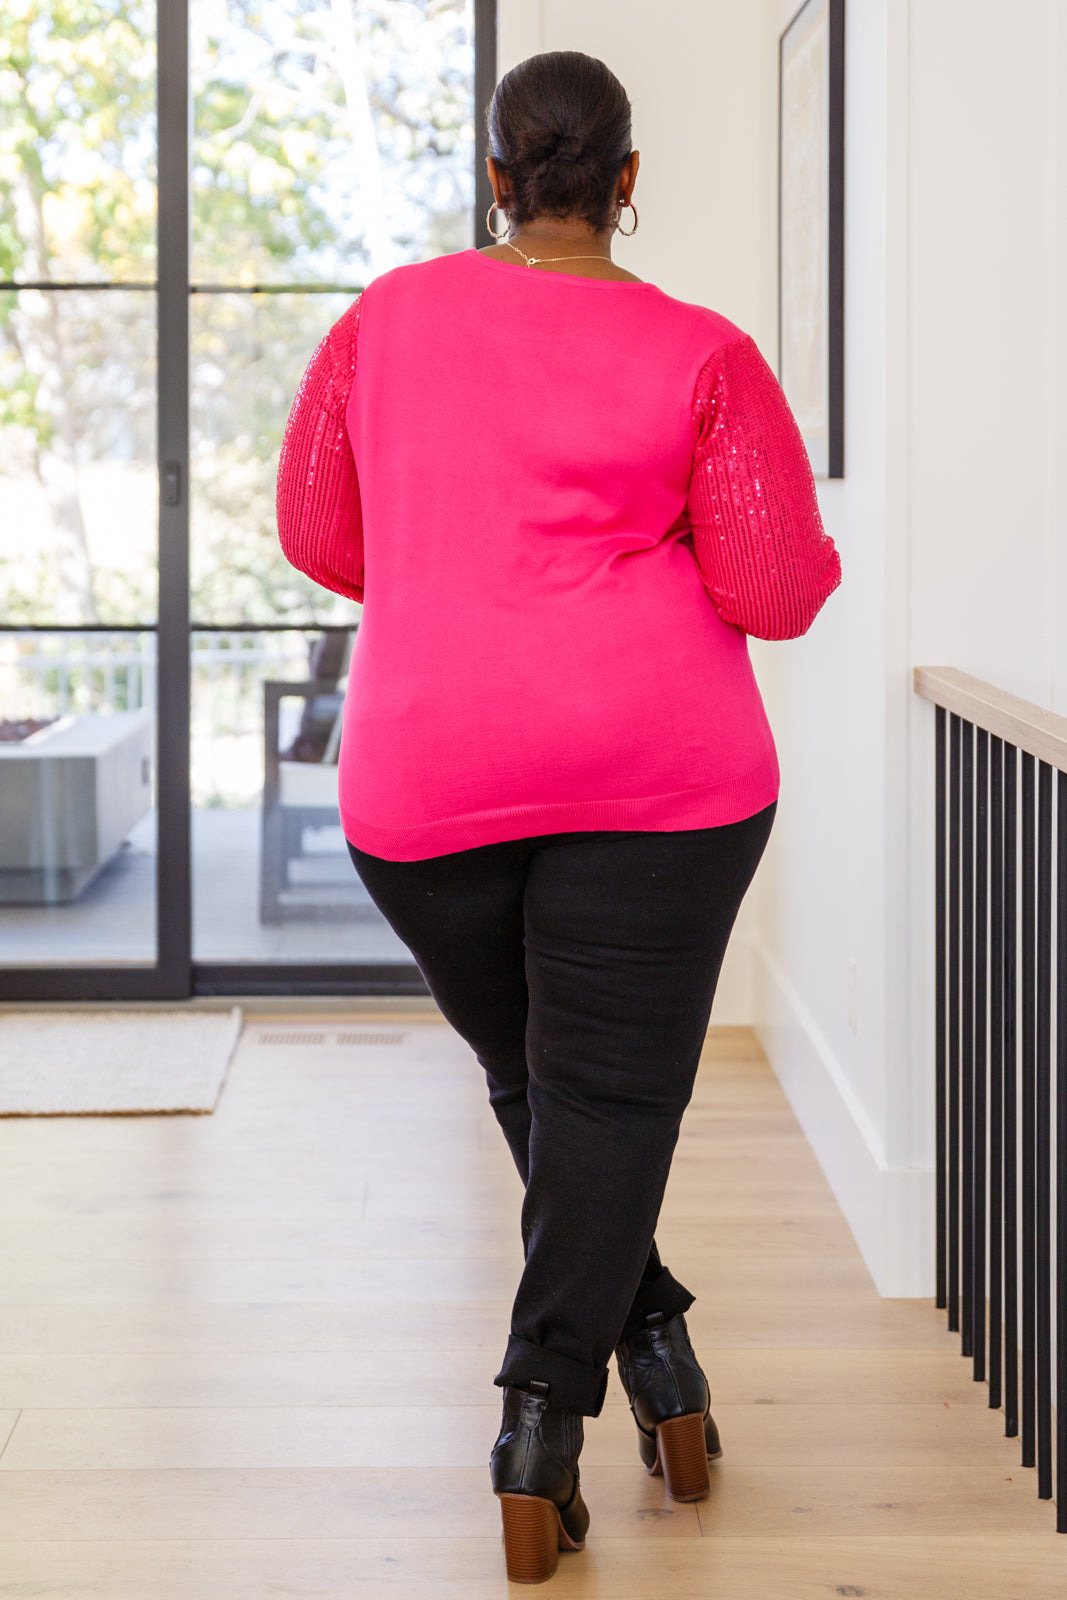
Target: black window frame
[{"x": 175, "y": 975}]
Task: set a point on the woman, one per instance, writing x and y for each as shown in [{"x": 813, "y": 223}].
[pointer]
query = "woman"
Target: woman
[{"x": 569, "y": 497}]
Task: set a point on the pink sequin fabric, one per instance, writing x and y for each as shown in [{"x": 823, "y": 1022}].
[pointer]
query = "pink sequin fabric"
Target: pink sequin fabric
[
  {"x": 320, "y": 518},
  {"x": 758, "y": 538}
]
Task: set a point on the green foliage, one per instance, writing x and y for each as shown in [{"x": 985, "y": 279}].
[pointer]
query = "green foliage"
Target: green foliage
[
  {"x": 77, "y": 108},
  {"x": 286, "y": 188},
  {"x": 262, "y": 121}
]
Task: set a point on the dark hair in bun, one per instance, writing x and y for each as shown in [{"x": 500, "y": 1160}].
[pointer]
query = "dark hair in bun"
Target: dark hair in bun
[{"x": 559, "y": 127}]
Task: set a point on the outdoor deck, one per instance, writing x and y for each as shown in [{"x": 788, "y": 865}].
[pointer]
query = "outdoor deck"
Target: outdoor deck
[{"x": 330, "y": 918}]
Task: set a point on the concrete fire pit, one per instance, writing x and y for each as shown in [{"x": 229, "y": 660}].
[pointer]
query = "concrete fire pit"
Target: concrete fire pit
[{"x": 69, "y": 795}]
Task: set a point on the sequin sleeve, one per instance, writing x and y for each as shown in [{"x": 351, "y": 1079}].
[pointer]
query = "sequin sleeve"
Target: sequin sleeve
[
  {"x": 320, "y": 521},
  {"x": 758, "y": 538}
]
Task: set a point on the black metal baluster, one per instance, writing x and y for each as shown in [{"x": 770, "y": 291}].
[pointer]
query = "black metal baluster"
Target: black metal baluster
[
  {"x": 996, "y": 1062},
  {"x": 1061, "y": 1153},
  {"x": 1010, "y": 1098},
  {"x": 967, "y": 1305},
  {"x": 1001, "y": 1079},
  {"x": 981, "y": 911},
  {"x": 1028, "y": 1106},
  {"x": 953, "y": 1174},
  {"x": 1042, "y": 1135},
  {"x": 940, "y": 986}
]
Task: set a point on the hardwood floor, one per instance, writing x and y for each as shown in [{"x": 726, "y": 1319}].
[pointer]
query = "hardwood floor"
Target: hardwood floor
[{"x": 251, "y": 1355}]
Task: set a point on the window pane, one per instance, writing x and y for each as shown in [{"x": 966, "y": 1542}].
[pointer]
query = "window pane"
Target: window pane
[
  {"x": 77, "y": 140},
  {"x": 78, "y": 485},
  {"x": 272, "y": 878},
  {"x": 249, "y": 354},
  {"x": 332, "y": 141},
  {"x": 77, "y": 846}
]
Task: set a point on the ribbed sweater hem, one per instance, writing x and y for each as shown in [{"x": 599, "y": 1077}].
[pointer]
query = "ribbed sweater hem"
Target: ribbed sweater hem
[{"x": 713, "y": 806}]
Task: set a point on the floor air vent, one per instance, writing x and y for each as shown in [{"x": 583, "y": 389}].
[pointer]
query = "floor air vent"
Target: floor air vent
[
  {"x": 371, "y": 1038},
  {"x": 291, "y": 1037}
]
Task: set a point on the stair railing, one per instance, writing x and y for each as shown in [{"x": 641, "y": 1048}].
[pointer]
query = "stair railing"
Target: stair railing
[{"x": 1001, "y": 1053}]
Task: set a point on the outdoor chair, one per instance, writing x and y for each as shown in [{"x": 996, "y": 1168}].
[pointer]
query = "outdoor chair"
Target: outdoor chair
[{"x": 300, "y": 784}]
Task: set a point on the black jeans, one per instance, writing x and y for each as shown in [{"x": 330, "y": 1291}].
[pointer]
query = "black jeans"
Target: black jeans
[{"x": 580, "y": 968}]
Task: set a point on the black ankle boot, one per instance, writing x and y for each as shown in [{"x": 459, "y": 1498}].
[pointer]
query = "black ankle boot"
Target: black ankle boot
[
  {"x": 670, "y": 1401},
  {"x": 534, "y": 1468}
]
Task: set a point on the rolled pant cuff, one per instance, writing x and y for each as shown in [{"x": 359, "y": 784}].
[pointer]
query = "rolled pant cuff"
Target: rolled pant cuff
[
  {"x": 663, "y": 1294},
  {"x": 571, "y": 1385}
]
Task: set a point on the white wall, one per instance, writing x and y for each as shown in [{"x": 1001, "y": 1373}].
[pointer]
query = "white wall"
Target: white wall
[
  {"x": 947, "y": 522},
  {"x": 827, "y": 900},
  {"x": 987, "y": 214},
  {"x": 950, "y": 519},
  {"x": 688, "y": 67}
]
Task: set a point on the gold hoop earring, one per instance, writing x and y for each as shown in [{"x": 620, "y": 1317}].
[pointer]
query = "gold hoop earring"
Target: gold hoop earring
[
  {"x": 492, "y": 231},
  {"x": 626, "y": 232}
]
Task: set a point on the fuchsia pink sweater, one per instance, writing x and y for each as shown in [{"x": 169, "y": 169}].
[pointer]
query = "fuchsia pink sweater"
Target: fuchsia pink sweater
[{"x": 564, "y": 501}]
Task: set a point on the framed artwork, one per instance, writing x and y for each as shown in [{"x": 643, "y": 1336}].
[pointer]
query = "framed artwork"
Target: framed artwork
[{"x": 811, "y": 207}]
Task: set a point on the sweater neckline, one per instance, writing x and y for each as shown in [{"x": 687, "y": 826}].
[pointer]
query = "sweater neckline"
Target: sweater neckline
[{"x": 570, "y": 277}]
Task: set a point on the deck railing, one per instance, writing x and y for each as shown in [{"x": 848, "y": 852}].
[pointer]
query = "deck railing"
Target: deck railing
[
  {"x": 51, "y": 674},
  {"x": 55, "y": 673},
  {"x": 1001, "y": 1053}
]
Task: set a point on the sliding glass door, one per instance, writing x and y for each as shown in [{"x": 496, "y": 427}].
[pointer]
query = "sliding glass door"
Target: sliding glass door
[{"x": 188, "y": 201}]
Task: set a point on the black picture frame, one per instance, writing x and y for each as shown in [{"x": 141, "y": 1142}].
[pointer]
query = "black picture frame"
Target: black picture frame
[{"x": 811, "y": 228}]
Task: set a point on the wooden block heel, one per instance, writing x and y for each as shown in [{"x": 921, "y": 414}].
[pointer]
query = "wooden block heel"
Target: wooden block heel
[
  {"x": 533, "y": 1537},
  {"x": 682, "y": 1454}
]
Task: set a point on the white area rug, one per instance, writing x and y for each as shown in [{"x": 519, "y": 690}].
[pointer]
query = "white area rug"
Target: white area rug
[{"x": 64, "y": 1063}]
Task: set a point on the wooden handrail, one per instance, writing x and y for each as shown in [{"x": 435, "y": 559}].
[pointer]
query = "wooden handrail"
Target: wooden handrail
[{"x": 1031, "y": 728}]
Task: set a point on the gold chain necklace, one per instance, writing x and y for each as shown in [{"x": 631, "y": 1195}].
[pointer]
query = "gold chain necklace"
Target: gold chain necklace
[{"x": 536, "y": 261}]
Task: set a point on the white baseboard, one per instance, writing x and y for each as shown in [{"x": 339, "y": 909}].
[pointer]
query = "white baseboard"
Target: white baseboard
[{"x": 889, "y": 1209}]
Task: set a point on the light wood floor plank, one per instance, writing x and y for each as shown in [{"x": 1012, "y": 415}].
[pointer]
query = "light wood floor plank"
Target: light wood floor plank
[
  {"x": 760, "y": 1321},
  {"x": 299, "y": 1503},
  {"x": 451, "y": 1502},
  {"x": 486, "y": 1276},
  {"x": 760, "y": 1377},
  {"x": 329, "y": 1235},
  {"x": 404, "y": 1568},
  {"x": 348, "y": 1437}
]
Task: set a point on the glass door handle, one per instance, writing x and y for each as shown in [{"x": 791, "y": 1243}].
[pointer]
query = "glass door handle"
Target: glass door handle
[{"x": 171, "y": 479}]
